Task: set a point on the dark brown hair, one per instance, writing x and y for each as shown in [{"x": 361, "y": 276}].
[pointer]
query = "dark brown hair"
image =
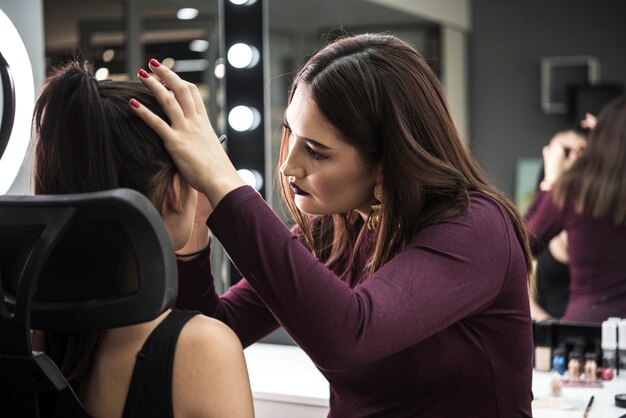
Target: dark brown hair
[
  {"x": 385, "y": 100},
  {"x": 596, "y": 182},
  {"x": 88, "y": 139}
]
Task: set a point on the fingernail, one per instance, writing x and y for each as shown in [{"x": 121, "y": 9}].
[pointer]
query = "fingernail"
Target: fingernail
[
  {"x": 134, "y": 103},
  {"x": 154, "y": 63},
  {"x": 143, "y": 73}
]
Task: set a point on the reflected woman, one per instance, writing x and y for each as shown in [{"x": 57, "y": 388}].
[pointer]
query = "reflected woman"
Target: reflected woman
[{"x": 588, "y": 201}]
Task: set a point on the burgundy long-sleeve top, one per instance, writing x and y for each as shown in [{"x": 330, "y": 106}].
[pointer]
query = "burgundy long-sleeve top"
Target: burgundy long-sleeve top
[
  {"x": 597, "y": 257},
  {"x": 441, "y": 330}
]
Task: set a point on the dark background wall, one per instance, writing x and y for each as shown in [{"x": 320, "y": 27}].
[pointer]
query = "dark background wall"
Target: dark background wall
[{"x": 507, "y": 41}]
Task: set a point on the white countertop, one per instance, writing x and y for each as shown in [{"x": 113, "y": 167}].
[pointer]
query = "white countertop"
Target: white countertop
[
  {"x": 281, "y": 375},
  {"x": 573, "y": 400}
]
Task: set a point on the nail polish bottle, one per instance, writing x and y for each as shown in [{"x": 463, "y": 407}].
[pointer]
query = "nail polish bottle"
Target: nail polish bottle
[
  {"x": 590, "y": 367},
  {"x": 573, "y": 367},
  {"x": 558, "y": 361}
]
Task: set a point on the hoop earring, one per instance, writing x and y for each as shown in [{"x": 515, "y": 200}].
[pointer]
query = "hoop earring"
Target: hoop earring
[{"x": 374, "y": 217}]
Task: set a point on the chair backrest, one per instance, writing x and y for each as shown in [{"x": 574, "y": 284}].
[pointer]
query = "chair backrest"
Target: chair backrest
[{"x": 71, "y": 263}]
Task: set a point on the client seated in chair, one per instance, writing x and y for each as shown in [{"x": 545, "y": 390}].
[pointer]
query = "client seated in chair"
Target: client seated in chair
[{"x": 88, "y": 140}]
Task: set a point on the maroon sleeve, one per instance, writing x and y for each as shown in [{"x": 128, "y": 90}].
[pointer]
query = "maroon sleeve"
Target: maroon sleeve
[
  {"x": 240, "y": 307},
  {"x": 447, "y": 272},
  {"x": 544, "y": 220}
]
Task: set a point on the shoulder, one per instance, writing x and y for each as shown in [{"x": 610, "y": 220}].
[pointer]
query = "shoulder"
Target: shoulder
[
  {"x": 210, "y": 376},
  {"x": 484, "y": 228},
  {"x": 207, "y": 338},
  {"x": 483, "y": 214},
  {"x": 487, "y": 214},
  {"x": 482, "y": 205}
]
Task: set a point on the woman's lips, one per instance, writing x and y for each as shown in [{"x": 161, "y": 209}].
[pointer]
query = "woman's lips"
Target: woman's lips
[{"x": 296, "y": 190}]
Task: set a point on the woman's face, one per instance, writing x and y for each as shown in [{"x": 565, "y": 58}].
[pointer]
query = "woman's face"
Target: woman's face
[{"x": 325, "y": 173}]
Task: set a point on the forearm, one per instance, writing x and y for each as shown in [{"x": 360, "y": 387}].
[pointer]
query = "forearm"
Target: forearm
[{"x": 240, "y": 308}]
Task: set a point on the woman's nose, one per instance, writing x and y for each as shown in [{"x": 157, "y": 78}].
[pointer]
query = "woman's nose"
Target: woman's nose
[{"x": 290, "y": 167}]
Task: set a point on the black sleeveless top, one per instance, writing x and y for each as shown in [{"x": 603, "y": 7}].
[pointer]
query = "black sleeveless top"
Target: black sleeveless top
[
  {"x": 150, "y": 391},
  {"x": 552, "y": 284}
]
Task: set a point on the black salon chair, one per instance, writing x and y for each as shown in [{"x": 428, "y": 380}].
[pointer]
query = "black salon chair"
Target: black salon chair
[{"x": 72, "y": 263}]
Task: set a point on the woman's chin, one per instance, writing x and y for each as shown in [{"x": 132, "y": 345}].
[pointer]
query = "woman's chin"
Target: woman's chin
[{"x": 305, "y": 207}]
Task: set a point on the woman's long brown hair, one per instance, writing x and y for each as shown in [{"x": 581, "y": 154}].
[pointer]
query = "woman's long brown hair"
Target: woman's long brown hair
[
  {"x": 385, "y": 100},
  {"x": 89, "y": 140},
  {"x": 596, "y": 182}
]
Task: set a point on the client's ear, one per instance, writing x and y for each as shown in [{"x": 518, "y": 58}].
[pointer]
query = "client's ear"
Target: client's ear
[
  {"x": 175, "y": 195},
  {"x": 178, "y": 210}
]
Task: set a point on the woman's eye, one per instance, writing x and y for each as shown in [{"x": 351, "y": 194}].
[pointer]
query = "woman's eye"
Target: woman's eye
[{"x": 313, "y": 154}]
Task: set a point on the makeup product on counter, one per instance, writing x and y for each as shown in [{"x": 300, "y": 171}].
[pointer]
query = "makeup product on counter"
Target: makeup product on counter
[
  {"x": 590, "y": 367},
  {"x": 588, "y": 408},
  {"x": 609, "y": 344},
  {"x": 558, "y": 361},
  {"x": 604, "y": 374},
  {"x": 555, "y": 385},
  {"x": 573, "y": 367},
  {"x": 621, "y": 347}
]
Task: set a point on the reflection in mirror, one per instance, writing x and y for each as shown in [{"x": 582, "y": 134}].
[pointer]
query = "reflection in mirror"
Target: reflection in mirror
[{"x": 96, "y": 31}]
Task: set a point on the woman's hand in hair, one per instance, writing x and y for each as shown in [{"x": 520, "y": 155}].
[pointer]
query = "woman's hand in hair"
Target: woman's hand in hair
[
  {"x": 190, "y": 138},
  {"x": 589, "y": 122},
  {"x": 559, "y": 155}
]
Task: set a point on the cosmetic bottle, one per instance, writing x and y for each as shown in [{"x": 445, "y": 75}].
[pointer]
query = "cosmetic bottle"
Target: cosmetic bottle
[
  {"x": 590, "y": 367},
  {"x": 621, "y": 346},
  {"x": 609, "y": 344},
  {"x": 558, "y": 361},
  {"x": 573, "y": 367}
]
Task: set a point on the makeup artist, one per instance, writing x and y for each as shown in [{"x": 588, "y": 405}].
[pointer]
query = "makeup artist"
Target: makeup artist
[{"x": 405, "y": 278}]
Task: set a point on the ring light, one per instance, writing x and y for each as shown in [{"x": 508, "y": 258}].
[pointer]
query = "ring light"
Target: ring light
[{"x": 18, "y": 96}]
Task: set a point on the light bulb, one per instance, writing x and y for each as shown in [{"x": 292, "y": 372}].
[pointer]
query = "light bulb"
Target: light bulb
[
  {"x": 243, "y": 56},
  {"x": 244, "y": 118}
]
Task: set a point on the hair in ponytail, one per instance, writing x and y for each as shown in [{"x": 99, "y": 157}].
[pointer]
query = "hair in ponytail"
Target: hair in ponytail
[{"x": 88, "y": 139}]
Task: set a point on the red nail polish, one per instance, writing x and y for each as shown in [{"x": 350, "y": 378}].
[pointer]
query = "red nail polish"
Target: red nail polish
[
  {"x": 143, "y": 73},
  {"x": 154, "y": 63},
  {"x": 134, "y": 103}
]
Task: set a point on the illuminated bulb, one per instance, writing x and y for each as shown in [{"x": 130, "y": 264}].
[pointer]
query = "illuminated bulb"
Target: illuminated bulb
[
  {"x": 243, "y": 56},
  {"x": 102, "y": 73},
  {"x": 168, "y": 62},
  {"x": 243, "y": 2},
  {"x": 251, "y": 177},
  {"x": 244, "y": 118},
  {"x": 108, "y": 55},
  {"x": 199, "y": 45},
  {"x": 219, "y": 70},
  {"x": 187, "y": 13}
]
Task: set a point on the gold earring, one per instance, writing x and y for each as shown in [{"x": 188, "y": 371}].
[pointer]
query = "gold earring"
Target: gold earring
[{"x": 374, "y": 217}]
